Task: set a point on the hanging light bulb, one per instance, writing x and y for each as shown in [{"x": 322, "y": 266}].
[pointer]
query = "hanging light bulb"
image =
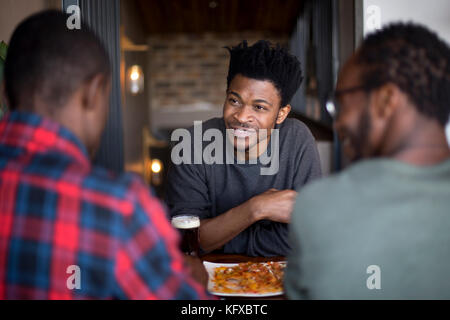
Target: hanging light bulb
[
  {"x": 156, "y": 166},
  {"x": 135, "y": 80}
]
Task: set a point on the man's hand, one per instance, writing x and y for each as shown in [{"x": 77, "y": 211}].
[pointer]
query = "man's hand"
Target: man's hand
[
  {"x": 275, "y": 205},
  {"x": 272, "y": 205},
  {"x": 196, "y": 270}
]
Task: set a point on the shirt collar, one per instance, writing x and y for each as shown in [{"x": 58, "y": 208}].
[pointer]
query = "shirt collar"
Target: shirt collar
[{"x": 38, "y": 134}]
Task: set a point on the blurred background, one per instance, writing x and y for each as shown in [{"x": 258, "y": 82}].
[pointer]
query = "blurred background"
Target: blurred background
[{"x": 170, "y": 65}]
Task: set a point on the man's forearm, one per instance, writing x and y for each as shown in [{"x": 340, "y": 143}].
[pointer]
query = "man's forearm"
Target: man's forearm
[{"x": 215, "y": 232}]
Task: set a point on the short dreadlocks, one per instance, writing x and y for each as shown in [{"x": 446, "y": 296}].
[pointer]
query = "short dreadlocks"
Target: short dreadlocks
[
  {"x": 262, "y": 61},
  {"x": 416, "y": 60}
]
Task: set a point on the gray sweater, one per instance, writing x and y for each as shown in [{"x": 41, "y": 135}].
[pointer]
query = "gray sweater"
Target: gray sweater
[
  {"x": 210, "y": 190},
  {"x": 378, "y": 230}
]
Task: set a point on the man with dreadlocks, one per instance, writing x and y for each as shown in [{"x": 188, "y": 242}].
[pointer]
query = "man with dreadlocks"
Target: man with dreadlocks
[
  {"x": 383, "y": 232},
  {"x": 241, "y": 210}
]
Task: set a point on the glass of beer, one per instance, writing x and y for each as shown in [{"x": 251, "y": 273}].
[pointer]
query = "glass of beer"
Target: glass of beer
[{"x": 188, "y": 226}]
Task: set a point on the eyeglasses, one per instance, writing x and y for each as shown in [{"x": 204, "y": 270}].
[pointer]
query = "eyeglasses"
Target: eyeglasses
[{"x": 332, "y": 104}]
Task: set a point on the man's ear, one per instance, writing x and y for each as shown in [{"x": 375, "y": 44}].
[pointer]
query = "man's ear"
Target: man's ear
[
  {"x": 387, "y": 99},
  {"x": 91, "y": 89},
  {"x": 283, "y": 113}
]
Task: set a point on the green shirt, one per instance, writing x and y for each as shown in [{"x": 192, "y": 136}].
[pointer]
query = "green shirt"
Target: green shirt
[{"x": 381, "y": 213}]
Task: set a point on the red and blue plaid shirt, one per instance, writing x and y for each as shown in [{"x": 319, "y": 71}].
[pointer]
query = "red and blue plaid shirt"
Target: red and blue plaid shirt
[{"x": 58, "y": 211}]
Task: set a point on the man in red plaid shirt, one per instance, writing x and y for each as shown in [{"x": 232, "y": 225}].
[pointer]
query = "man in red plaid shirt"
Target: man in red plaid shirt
[{"x": 68, "y": 229}]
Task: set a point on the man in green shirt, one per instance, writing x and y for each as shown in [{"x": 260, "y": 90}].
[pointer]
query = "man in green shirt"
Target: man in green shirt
[{"x": 381, "y": 228}]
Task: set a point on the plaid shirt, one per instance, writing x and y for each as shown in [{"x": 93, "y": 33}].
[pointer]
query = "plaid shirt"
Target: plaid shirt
[{"x": 58, "y": 211}]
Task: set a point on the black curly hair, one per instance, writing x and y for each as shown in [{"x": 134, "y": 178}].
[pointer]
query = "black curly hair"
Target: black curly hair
[
  {"x": 262, "y": 61},
  {"x": 48, "y": 61},
  {"x": 413, "y": 58}
]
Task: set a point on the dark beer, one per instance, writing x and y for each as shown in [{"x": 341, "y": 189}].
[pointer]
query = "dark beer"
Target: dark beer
[{"x": 188, "y": 226}]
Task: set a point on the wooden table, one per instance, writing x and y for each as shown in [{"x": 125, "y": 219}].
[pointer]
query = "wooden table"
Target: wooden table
[{"x": 237, "y": 258}]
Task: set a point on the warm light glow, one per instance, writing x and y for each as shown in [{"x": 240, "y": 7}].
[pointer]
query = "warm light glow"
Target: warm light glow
[
  {"x": 156, "y": 166},
  {"x": 134, "y": 75},
  {"x": 135, "y": 79}
]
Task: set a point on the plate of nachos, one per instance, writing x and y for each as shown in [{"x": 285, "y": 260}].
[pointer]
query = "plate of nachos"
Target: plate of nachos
[{"x": 248, "y": 279}]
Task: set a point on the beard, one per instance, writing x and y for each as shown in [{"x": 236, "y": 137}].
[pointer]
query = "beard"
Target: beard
[{"x": 360, "y": 138}]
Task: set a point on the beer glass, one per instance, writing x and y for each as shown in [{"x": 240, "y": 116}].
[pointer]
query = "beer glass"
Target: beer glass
[{"x": 188, "y": 226}]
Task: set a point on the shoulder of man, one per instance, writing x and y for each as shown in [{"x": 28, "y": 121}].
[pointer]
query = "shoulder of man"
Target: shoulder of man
[
  {"x": 339, "y": 187},
  {"x": 296, "y": 140},
  {"x": 295, "y": 129},
  {"x": 127, "y": 189}
]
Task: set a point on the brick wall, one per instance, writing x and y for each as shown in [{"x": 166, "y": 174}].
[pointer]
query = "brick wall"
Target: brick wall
[{"x": 189, "y": 71}]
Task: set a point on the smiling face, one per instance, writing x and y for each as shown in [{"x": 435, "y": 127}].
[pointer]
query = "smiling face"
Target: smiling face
[
  {"x": 353, "y": 122},
  {"x": 252, "y": 105}
]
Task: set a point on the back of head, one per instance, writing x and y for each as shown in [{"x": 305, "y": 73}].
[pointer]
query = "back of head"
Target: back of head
[
  {"x": 47, "y": 62},
  {"x": 413, "y": 58},
  {"x": 264, "y": 62}
]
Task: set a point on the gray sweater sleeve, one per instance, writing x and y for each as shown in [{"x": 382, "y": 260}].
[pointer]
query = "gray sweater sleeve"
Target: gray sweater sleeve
[
  {"x": 187, "y": 191},
  {"x": 264, "y": 238},
  {"x": 308, "y": 159}
]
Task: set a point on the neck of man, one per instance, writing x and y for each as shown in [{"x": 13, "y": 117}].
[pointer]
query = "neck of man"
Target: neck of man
[
  {"x": 69, "y": 117},
  {"x": 421, "y": 143}
]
